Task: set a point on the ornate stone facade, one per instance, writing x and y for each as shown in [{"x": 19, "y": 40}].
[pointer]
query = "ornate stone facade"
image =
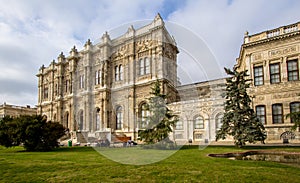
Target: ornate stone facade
[
  {"x": 14, "y": 111},
  {"x": 272, "y": 60},
  {"x": 200, "y": 111},
  {"x": 100, "y": 90}
]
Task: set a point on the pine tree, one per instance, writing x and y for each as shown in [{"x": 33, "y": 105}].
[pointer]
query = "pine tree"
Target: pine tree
[
  {"x": 295, "y": 117},
  {"x": 240, "y": 120},
  {"x": 160, "y": 121}
]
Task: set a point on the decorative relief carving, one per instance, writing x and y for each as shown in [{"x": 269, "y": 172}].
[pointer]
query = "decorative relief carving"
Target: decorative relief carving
[
  {"x": 144, "y": 45},
  {"x": 257, "y": 56},
  {"x": 285, "y": 95},
  {"x": 287, "y": 50},
  {"x": 121, "y": 52},
  {"x": 260, "y": 98}
]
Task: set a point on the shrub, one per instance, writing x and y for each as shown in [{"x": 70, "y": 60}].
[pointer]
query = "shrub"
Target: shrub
[{"x": 34, "y": 132}]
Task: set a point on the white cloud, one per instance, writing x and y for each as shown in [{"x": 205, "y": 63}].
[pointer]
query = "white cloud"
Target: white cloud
[
  {"x": 222, "y": 26},
  {"x": 34, "y": 32}
]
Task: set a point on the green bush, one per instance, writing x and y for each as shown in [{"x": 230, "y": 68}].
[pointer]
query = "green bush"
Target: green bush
[{"x": 34, "y": 132}]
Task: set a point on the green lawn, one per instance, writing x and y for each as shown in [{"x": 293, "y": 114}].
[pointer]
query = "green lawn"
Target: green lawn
[{"x": 84, "y": 164}]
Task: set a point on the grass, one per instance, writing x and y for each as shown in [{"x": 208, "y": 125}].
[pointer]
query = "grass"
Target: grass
[{"x": 85, "y": 164}]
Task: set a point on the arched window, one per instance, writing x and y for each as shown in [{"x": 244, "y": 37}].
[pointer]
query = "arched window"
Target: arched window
[
  {"x": 144, "y": 66},
  {"x": 199, "y": 122},
  {"x": 218, "y": 120},
  {"x": 116, "y": 73},
  {"x": 81, "y": 120},
  {"x": 98, "y": 77},
  {"x": 120, "y": 72},
  {"x": 119, "y": 118},
  {"x": 147, "y": 65},
  {"x": 66, "y": 120},
  {"x": 97, "y": 118},
  {"x": 294, "y": 107},
  {"x": 145, "y": 113}
]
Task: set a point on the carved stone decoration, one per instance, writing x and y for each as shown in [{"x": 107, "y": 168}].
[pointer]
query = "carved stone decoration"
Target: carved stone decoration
[
  {"x": 287, "y": 50},
  {"x": 287, "y": 135},
  {"x": 144, "y": 45},
  {"x": 257, "y": 56}
]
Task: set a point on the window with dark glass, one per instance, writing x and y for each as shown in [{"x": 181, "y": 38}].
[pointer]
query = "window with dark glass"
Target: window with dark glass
[
  {"x": 258, "y": 76},
  {"x": 275, "y": 73},
  {"x": 277, "y": 113},
  {"x": 46, "y": 92},
  {"x": 67, "y": 86},
  {"x": 294, "y": 107},
  {"x": 261, "y": 113},
  {"x": 292, "y": 69}
]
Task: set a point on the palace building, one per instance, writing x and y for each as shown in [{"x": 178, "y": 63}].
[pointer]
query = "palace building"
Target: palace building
[
  {"x": 15, "y": 111},
  {"x": 101, "y": 91},
  {"x": 272, "y": 61}
]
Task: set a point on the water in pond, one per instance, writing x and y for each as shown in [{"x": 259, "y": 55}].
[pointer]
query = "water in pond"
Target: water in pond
[{"x": 282, "y": 157}]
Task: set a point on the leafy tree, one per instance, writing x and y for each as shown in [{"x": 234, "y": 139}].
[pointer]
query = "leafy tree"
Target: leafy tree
[
  {"x": 160, "y": 121},
  {"x": 34, "y": 132},
  {"x": 295, "y": 116},
  {"x": 8, "y": 134},
  {"x": 240, "y": 120}
]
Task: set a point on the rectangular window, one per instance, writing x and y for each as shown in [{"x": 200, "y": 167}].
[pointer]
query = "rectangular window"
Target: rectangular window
[
  {"x": 142, "y": 67},
  {"x": 292, "y": 69},
  {"x": 275, "y": 73},
  {"x": 98, "y": 77},
  {"x": 147, "y": 66},
  {"x": 199, "y": 123},
  {"x": 277, "y": 113},
  {"x": 294, "y": 107},
  {"x": 46, "y": 92},
  {"x": 258, "y": 76},
  {"x": 120, "y": 72},
  {"x": 179, "y": 125},
  {"x": 67, "y": 86},
  {"x": 116, "y": 73},
  {"x": 261, "y": 113}
]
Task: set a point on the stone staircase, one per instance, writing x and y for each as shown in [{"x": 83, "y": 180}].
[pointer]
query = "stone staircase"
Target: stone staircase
[{"x": 81, "y": 137}]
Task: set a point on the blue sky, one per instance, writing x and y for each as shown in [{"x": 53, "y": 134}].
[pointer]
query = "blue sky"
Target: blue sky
[{"x": 34, "y": 32}]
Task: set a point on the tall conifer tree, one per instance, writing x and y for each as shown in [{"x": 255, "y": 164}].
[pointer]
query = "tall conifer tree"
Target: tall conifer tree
[
  {"x": 160, "y": 121},
  {"x": 240, "y": 120}
]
